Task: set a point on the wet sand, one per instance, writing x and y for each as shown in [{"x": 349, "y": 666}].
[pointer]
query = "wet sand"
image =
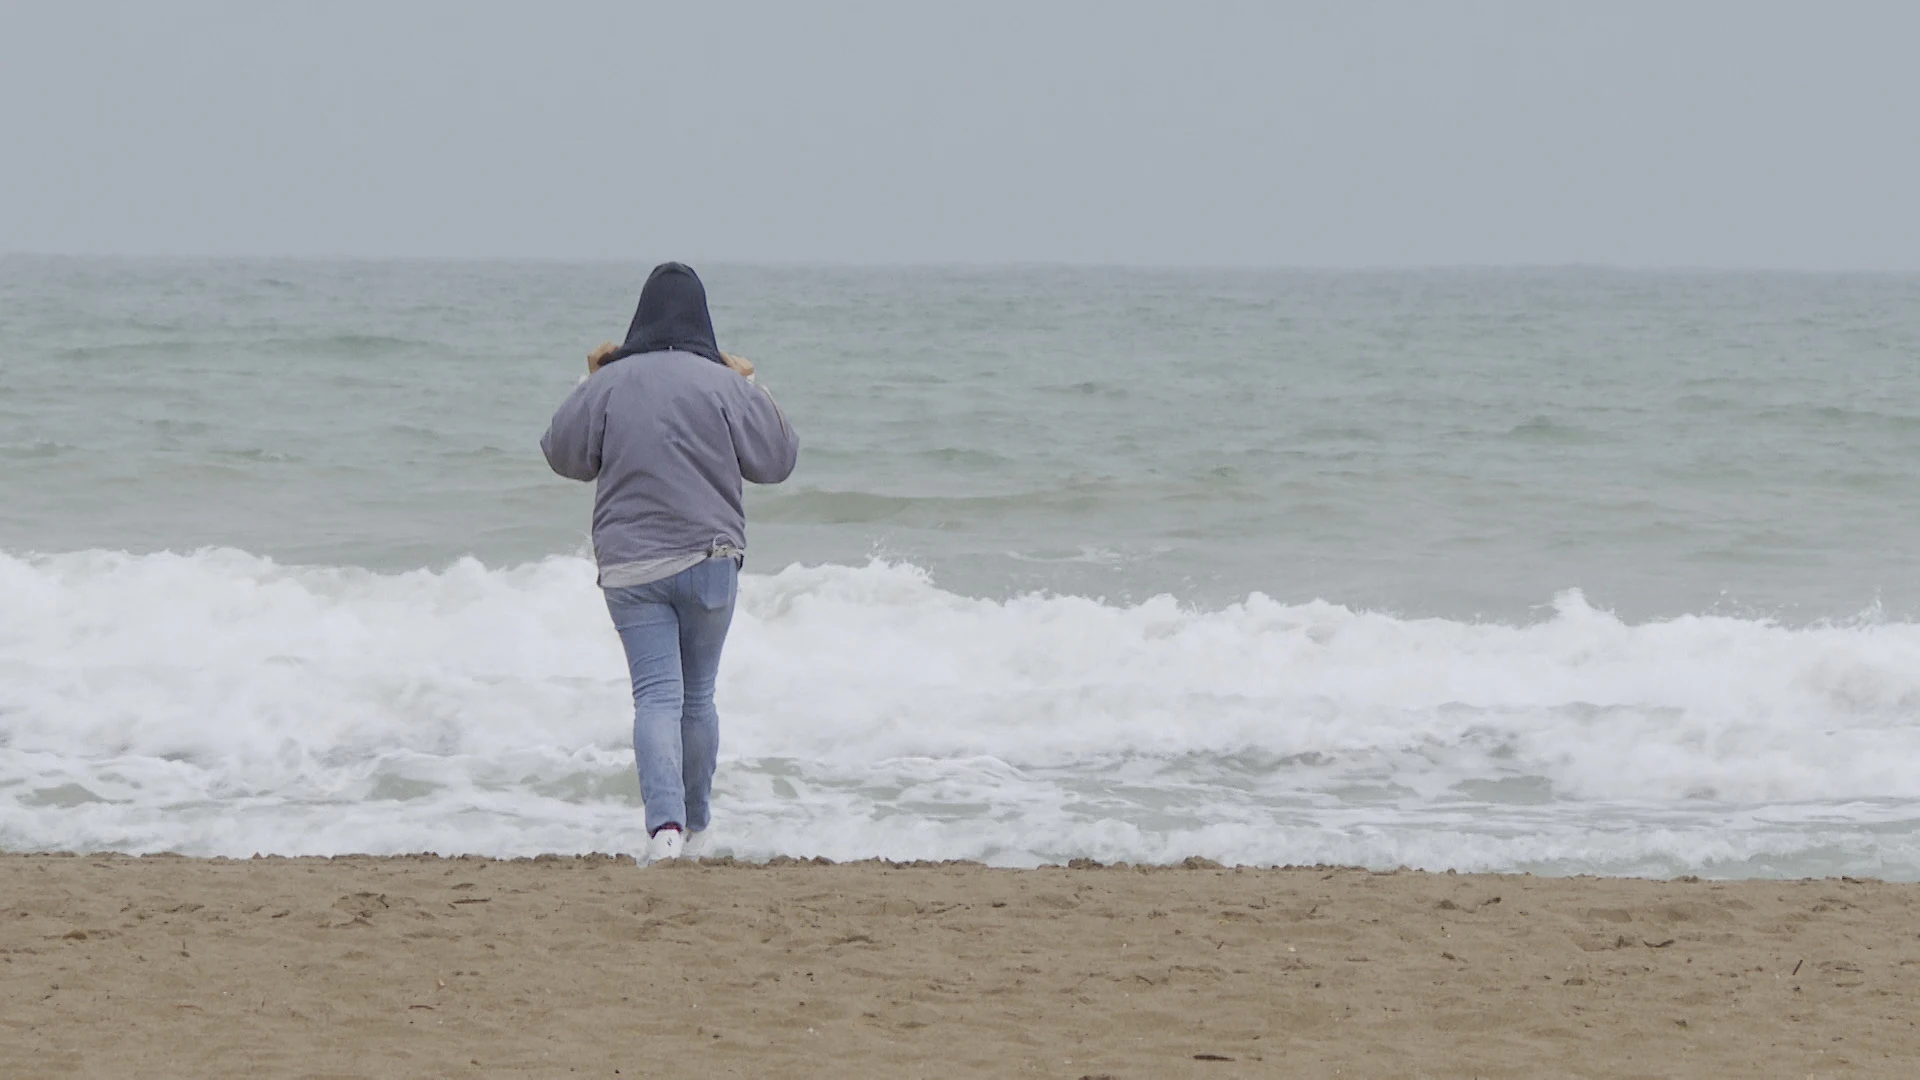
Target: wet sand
[{"x": 416, "y": 966}]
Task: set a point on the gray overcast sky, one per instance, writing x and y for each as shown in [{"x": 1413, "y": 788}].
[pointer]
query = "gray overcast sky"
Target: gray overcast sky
[{"x": 1293, "y": 134}]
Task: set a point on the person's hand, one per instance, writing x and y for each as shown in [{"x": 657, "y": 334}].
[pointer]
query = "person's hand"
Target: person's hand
[
  {"x": 738, "y": 363},
  {"x": 599, "y": 356}
]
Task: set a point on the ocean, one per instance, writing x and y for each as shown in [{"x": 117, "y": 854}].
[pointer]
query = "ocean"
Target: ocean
[{"x": 1561, "y": 570}]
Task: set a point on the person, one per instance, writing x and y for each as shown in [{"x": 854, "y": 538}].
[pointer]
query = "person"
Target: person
[{"x": 667, "y": 427}]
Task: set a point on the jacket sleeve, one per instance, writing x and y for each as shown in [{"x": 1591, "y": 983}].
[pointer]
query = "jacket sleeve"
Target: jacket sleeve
[
  {"x": 762, "y": 439},
  {"x": 572, "y": 442}
]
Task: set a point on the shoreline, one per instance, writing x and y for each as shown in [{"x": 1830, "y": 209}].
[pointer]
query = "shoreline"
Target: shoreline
[
  {"x": 427, "y": 966},
  {"x": 775, "y": 862}
]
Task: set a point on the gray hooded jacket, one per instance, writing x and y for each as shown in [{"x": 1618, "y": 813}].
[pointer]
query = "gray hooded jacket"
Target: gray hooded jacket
[{"x": 668, "y": 437}]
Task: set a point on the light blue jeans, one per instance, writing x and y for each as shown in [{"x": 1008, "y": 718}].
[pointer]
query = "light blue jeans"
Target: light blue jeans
[{"x": 673, "y": 630}]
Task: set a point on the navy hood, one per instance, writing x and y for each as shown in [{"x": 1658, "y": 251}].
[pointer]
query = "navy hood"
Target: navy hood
[{"x": 672, "y": 315}]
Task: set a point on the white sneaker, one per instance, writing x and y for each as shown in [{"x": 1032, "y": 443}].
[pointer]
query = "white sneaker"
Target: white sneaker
[
  {"x": 664, "y": 845},
  {"x": 699, "y": 844}
]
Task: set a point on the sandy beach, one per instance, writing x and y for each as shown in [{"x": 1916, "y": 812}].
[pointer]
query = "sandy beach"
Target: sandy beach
[{"x": 421, "y": 966}]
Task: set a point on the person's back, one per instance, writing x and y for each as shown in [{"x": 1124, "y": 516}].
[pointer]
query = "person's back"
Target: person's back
[
  {"x": 669, "y": 427},
  {"x": 668, "y": 437}
]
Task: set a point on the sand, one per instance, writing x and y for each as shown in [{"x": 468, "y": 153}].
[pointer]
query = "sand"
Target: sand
[{"x": 415, "y": 967}]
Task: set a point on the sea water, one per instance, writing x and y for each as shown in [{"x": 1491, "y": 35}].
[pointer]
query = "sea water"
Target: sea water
[{"x": 1567, "y": 570}]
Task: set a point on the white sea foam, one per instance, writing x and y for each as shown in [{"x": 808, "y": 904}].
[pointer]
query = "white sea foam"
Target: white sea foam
[{"x": 218, "y": 703}]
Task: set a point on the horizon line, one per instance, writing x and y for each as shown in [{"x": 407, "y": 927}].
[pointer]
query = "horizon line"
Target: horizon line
[{"x": 966, "y": 264}]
